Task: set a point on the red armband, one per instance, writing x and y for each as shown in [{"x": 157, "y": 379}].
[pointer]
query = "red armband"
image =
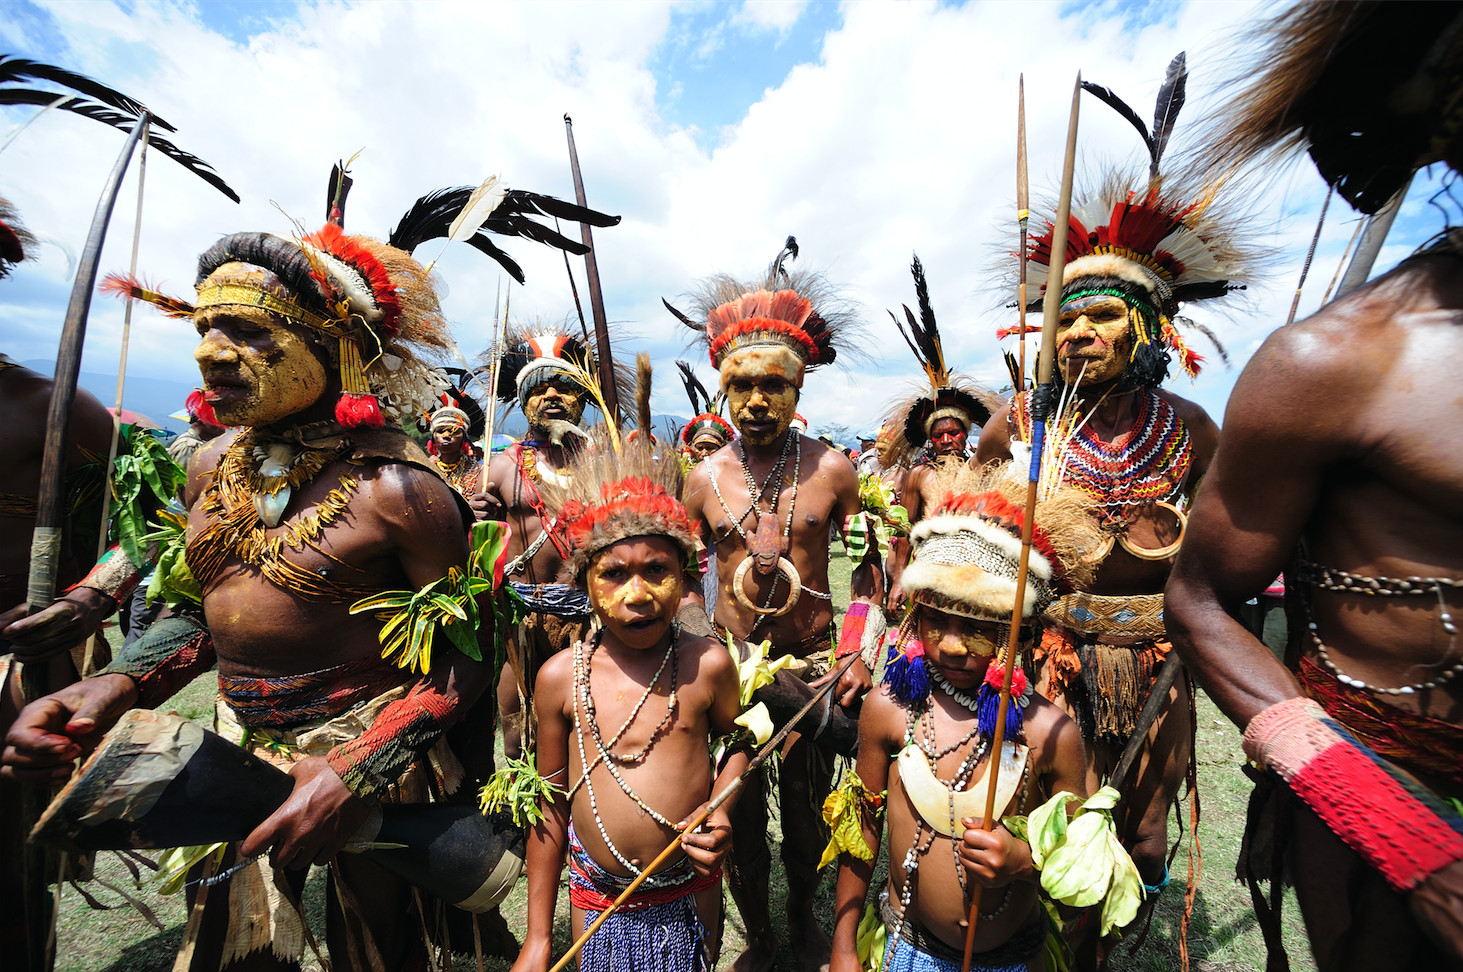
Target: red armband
[
  {"x": 114, "y": 575},
  {"x": 1395, "y": 824},
  {"x": 851, "y": 638},
  {"x": 405, "y": 729}
]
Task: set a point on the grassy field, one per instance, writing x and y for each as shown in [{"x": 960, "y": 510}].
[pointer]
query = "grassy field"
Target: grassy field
[{"x": 1223, "y": 936}]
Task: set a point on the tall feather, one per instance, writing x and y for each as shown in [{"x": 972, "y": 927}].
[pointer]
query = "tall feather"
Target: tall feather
[
  {"x": 695, "y": 391},
  {"x": 923, "y": 335},
  {"x": 1166, "y": 112},
  {"x": 1106, "y": 96},
  {"x": 642, "y": 393},
  {"x": 789, "y": 251},
  {"x": 684, "y": 318},
  {"x": 475, "y": 211},
  {"x": 338, "y": 189}
]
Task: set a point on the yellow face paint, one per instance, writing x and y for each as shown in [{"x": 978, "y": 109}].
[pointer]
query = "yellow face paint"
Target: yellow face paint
[
  {"x": 1097, "y": 332},
  {"x": 559, "y": 399},
  {"x": 257, "y": 369},
  {"x": 761, "y": 397},
  {"x": 960, "y": 647}
]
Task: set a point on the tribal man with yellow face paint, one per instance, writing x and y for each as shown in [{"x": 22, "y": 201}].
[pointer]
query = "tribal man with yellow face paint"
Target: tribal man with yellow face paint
[{"x": 765, "y": 504}]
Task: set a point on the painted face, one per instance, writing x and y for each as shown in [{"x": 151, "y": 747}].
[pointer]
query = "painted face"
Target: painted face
[
  {"x": 258, "y": 369},
  {"x": 960, "y": 647},
  {"x": 449, "y": 439},
  {"x": 761, "y": 396},
  {"x": 559, "y": 399},
  {"x": 948, "y": 436},
  {"x": 635, "y": 588},
  {"x": 885, "y": 446},
  {"x": 701, "y": 448},
  {"x": 1095, "y": 331}
]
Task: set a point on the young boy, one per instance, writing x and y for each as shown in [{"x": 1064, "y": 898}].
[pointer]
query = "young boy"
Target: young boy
[
  {"x": 926, "y": 734},
  {"x": 625, "y": 717}
]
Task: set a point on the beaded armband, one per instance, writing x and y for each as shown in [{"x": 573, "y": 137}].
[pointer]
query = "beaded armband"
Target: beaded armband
[
  {"x": 1081, "y": 860},
  {"x": 864, "y": 628},
  {"x": 374, "y": 760},
  {"x": 846, "y": 811},
  {"x": 171, "y": 653},
  {"x": 1397, "y": 826}
]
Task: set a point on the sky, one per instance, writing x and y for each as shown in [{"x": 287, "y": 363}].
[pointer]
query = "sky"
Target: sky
[{"x": 870, "y": 131}]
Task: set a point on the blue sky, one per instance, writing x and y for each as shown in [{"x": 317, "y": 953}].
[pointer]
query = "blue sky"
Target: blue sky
[{"x": 869, "y": 130}]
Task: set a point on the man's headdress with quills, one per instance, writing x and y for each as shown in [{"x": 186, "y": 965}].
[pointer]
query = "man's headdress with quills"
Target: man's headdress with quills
[
  {"x": 1154, "y": 242},
  {"x": 707, "y": 423},
  {"x": 949, "y": 395},
  {"x": 376, "y": 301},
  {"x": 792, "y": 315}
]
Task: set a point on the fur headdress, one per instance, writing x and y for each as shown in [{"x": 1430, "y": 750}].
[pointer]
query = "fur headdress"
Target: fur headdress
[
  {"x": 793, "y": 316},
  {"x": 949, "y": 395},
  {"x": 1372, "y": 90},
  {"x": 1154, "y": 242},
  {"x": 965, "y": 555},
  {"x": 708, "y": 423},
  {"x": 620, "y": 491},
  {"x": 16, "y": 242}
]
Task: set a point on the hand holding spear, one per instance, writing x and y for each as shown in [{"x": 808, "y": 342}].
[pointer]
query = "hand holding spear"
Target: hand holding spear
[{"x": 1041, "y": 404}]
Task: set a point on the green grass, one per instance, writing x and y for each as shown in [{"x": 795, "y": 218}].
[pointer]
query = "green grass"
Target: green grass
[{"x": 1223, "y": 936}]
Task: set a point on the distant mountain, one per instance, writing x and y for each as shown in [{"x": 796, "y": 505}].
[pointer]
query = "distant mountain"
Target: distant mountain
[{"x": 155, "y": 398}]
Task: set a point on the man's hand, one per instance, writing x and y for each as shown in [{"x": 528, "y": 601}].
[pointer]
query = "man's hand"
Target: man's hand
[
  {"x": 1437, "y": 904},
  {"x": 319, "y": 818},
  {"x": 70, "y": 620},
  {"x": 57, "y": 729},
  {"x": 994, "y": 858},
  {"x": 894, "y": 603},
  {"x": 853, "y": 684},
  {"x": 485, "y": 506},
  {"x": 709, "y": 844}
]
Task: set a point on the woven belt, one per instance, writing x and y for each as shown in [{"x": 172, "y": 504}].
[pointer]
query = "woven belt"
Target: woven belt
[{"x": 1138, "y": 615}]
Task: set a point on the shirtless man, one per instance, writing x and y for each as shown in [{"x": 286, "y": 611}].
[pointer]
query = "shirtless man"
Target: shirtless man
[
  {"x": 452, "y": 453},
  {"x": 769, "y": 500},
  {"x": 522, "y": 483},
  {"x": 1340, "y": 462},
  {"x": 1138, "y": 451},
  {"x": 360, "y": 513}
]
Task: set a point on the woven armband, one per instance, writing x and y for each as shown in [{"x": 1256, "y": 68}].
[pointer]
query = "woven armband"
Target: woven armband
[
  {"x": 170, "y": 654},
  {"x": 114, "y": 575},
  {"x": 405, "y": 729},
  {"x": 851, "y": 638},
  {"x": 1395, "y": 824}
]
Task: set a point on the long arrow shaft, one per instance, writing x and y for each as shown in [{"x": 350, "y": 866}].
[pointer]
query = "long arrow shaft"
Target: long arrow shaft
[
  {"x": 596, "y": 294},
  {"x": 1051, "y": 307}
]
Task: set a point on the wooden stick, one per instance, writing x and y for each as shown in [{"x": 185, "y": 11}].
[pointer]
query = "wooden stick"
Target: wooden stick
[
  {"x": 604, "y": 358},
  {"x": 495, "y": 354},
  {"x": 1051, "y": 308},
  {"x": 1023, "y": 214},
  {"x": 711, "y": 808}
]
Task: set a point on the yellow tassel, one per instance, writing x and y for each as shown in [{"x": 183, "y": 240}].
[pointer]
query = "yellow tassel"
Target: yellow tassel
[{"x": 352, "y": 375}]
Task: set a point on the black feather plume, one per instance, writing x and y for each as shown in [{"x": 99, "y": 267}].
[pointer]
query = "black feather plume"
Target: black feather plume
[
  {"x": 335, "y": 193},
  {"x": 693, "y": 325},
  {"x": 923, "y": 335},
  {"x": 14, "y": 68},
  {"x": 1166, "y": 112},
  {"x": 789, "y": 251},
  {"x": 695, "y": 391},
  {"x": 431, "y": 216},
  {"x": 123, "y": 122},
  {"x": 1120, "y": 106}
]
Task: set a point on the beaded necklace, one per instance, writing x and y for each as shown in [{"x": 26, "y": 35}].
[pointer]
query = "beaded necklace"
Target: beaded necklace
[
  {"x": 583, "y": 696},
  {"x": 235, "y": 527},
  {"x": 1146, "y": 464},
  {"x": 1344, "y": 582},
  {"x": 920, "y": 721},
  {"x": 529, "y": 466}
]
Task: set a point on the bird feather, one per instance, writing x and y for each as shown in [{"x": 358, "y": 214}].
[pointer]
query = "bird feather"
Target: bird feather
[
  {"x": 1120, "y": 106},
  {"x": 1166, "y": 112},
  {"x": 480, "y": 204},
  {"x": 643, "y": 373},
  {"x": 14, "y": 68}
]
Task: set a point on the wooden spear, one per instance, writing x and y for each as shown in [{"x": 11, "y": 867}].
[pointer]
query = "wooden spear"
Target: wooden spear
[
  {"x": 495, "y": 353},
  {"x": 712, "y": 807},
  {"x": 1041, "y": 402},
  {"x": 1023, "y": 214},
  {"x": 596, "y": 295}
]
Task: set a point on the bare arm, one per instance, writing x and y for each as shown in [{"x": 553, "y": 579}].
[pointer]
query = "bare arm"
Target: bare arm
[
  {"x": 548, "y": 842},
  {"x": 994, "y": 444},
  {"x": 880, "y": 724},
  {"x": 708, "y": 847}
]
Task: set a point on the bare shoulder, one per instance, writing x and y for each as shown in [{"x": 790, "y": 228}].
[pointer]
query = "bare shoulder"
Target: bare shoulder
[
  {"x": 551, "y": 686},
  {"x": 994, "y": 443},
  {"x": 712, "y": 658},
  {"x": 1192, "y": 413},
  {"x": 411, "y": 498},
  {"x": 881, "y": 721},
  {"x": 1048, "y": 730},
  {"x": 201, "y": 467}
]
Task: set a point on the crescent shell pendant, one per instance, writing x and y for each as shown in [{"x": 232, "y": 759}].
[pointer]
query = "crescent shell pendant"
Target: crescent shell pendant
[
  {"x": 1158, "y": 553},
  {"x": 933, "y": 800},
  {"x": 785, "y": 567}
]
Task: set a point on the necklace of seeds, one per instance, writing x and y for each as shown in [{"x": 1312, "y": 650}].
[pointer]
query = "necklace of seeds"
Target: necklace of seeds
[
  {"x": 671, "y": 656},
  {"x": 754, "y": 495},
  {"x": 581, "y": 678}
]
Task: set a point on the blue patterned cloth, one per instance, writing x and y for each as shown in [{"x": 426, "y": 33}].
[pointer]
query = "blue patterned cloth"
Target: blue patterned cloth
[{"x": 903, "y": 956}]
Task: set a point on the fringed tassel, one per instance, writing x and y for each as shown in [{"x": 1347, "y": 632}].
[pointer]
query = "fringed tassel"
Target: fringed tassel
[
  {"x": 357, "y": 406},
  {"x": 905, "y": 672},
  {"x": 200, "y": 408},
  {"x": 988, "y": 702}
]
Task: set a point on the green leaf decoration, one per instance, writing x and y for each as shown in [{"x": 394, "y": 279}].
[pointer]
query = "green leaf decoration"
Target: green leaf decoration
[
  {"x": 518, "y": 789},
  {"x": 844, "y": 811}
]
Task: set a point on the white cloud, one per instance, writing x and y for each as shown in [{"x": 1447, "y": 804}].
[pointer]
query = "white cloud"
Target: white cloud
[
  {"x": 778, "y": 15},
  {"x": 899, "y": 139}
]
